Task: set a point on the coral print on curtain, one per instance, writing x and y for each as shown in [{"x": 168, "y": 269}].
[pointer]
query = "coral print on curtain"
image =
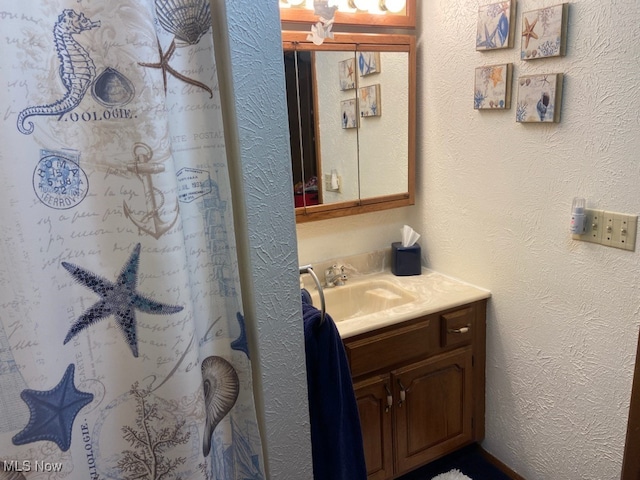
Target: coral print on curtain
[{"x": 123, "y": 352}]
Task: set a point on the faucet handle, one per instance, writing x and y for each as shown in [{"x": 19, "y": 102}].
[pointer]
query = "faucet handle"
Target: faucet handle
[
  {"x": 334, "y": 275},
  {"x": 343, "y": 274},
  {"x": 329, "y": 271},
  {"x": 339, "y": 275}
]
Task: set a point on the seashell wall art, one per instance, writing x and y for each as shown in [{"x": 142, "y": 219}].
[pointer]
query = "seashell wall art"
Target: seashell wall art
[
  {"x": 495, "y": 29},
  {"x": 539, "y": 98}
]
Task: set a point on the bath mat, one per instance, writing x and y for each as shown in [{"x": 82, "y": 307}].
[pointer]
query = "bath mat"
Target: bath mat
[{"x": 454, "y": 474}]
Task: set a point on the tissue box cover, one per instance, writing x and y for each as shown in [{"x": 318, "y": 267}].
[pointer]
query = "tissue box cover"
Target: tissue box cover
[{"x": 405, "y": 260}]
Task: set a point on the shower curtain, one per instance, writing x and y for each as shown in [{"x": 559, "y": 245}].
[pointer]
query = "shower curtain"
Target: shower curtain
[{"x": 123, "y": 352}]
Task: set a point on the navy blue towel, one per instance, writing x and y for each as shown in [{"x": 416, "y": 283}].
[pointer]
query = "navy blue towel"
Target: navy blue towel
[
  {"x": 306, "y": 296},
  {"x": 336, "y": 437}
]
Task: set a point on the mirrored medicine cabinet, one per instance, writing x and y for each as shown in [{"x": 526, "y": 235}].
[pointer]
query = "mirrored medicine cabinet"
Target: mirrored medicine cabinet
[{"x": 351, "y": 104}]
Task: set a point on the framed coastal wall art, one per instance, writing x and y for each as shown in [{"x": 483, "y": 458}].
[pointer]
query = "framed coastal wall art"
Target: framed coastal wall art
[
  {"x": 495, "y": 26},
  {"x": 349, "y": 113},
  {"x": 492, "y": 87},
  {"x": 369, "y": 101},
  {"x": 544, "y": 32},
  {"x": 347, "y": 73},
  {"x": 368, "y": 63},
  {"x": 539, "y": 98}
]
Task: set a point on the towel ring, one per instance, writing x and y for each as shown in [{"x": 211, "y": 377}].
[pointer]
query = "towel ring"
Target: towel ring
[{"x": 309, "y": 269}]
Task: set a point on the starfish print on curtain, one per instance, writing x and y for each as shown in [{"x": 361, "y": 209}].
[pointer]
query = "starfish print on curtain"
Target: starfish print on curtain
[
  {"x": 119, "y": 299},
  {"x": 53, "y": 412}
]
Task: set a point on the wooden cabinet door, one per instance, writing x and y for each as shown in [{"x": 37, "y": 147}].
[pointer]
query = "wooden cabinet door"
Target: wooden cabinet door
[
  {"x": 376, "y": 415},
  {"x": 435, "y": 417}
]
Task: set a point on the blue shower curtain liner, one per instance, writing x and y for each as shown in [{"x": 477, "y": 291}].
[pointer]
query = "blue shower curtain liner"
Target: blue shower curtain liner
[{"x": 123, "y": 352}]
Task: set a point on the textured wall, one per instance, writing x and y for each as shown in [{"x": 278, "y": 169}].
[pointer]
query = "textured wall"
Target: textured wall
[
  {"x": 253, "y": 82},
  {"x": 493, "y": 204},
  {"x": 347, "y": 236},
  {"x": 563, "y": 320}
]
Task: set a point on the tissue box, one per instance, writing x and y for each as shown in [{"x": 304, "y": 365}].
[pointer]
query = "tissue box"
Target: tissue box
[{"x": 405, "y": 260}]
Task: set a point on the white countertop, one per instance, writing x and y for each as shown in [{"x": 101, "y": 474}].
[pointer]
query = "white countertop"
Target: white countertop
[{"x": 434, "y": 292}]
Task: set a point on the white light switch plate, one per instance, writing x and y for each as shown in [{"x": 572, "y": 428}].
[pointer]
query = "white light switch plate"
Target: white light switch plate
[
  {"x": 327, "y": 183},
  {"x": 610, "y": 228}
]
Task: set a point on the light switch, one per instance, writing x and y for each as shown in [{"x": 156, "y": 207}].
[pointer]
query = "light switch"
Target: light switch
[
  {"x": 330, "y": 183},
  {"x": 629, "y": 228},
  {"x": 593, "y": 226},
  {"x": 612, "y": 229},
  {"x": 609, "y": 235}
]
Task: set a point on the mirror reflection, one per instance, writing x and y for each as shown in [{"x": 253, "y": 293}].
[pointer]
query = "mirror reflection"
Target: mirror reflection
[
  {"x": 351, "y": 124},
  {"x": 383, "y": 140}
]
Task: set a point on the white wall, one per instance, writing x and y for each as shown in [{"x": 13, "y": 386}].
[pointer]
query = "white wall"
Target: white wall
[
  {"x": 493, "y": 205},
  {"x": 563, "y": 321},
  {"x": 343, "y": 237}
]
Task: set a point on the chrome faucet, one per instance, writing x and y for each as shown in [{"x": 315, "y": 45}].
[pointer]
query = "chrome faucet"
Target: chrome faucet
[{"x": 334, "y": 276}]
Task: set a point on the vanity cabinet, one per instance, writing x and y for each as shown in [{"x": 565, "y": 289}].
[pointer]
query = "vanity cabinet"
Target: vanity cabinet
[{"x": 419, "y": 387}]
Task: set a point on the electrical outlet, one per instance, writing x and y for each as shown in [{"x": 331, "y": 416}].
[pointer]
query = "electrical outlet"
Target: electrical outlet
[{"x": 612, "y": 229}]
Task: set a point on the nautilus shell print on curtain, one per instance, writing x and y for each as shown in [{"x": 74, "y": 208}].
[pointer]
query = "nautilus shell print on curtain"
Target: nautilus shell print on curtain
[{"x": 221, "y": 387}]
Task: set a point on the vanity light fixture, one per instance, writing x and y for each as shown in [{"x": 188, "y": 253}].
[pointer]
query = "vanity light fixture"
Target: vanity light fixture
[
  {"x": 393, "y": 6},
  {"x": 373, "y": 13},
  {"x": 363, "y": 5}
]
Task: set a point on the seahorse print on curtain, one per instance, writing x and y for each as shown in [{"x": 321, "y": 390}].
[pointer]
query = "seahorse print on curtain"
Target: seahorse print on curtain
[
  {"x": 77, "y": 70},
  {"x": 123, "y": 344}
]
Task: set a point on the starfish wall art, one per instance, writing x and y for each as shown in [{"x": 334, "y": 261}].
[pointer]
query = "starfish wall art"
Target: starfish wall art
[
  {"x": 369, "y": 101},
  {"x": 493, "y": 87},
  {"x": 544, "y": 32},
  {"x": 347, "y": 73},
  {"x": 495, "y": 23}
]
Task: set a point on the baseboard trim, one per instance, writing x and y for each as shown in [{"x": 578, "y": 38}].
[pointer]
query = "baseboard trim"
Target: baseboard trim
[{"x": 499, "y": 465}]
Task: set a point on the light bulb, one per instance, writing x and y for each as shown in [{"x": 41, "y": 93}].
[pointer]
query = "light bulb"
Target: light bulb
[
  {"x": 360, "y": 4},
  {"x": 393, "y": 6}
]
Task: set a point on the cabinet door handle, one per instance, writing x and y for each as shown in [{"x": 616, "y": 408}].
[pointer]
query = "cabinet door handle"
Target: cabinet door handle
[
  {"x": 464, "y": 329},
  {"x": 389, "y": 399},
  {"x": 403, "y": 393}
]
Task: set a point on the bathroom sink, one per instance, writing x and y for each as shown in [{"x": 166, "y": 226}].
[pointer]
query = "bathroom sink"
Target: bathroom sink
[{"x": 363, "y": 298}]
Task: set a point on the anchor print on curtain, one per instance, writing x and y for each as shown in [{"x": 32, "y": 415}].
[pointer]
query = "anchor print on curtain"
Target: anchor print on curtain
[{"x": 123, "y": 349}]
